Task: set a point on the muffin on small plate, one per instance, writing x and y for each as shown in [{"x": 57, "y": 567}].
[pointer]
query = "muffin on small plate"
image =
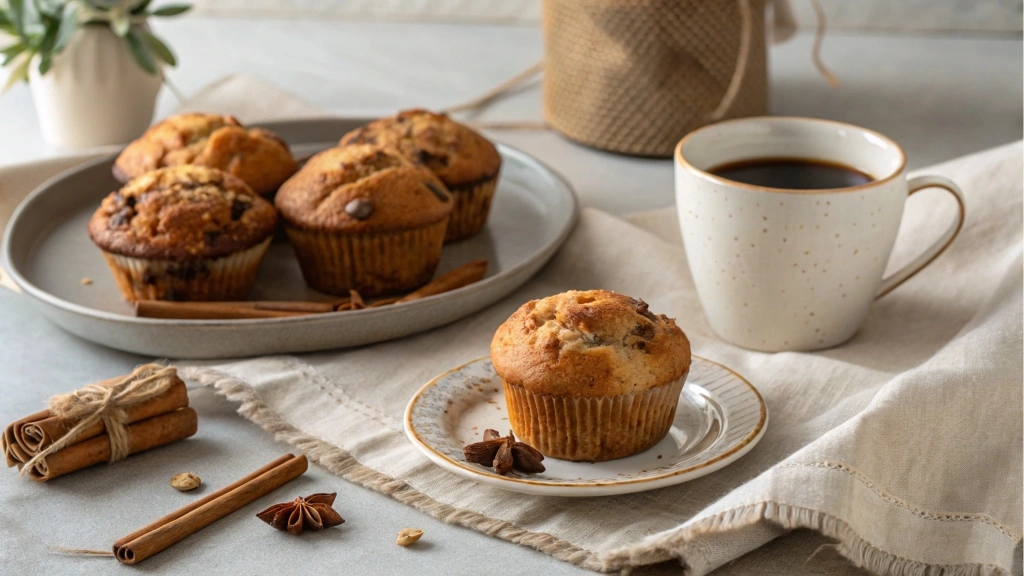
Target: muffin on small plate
[
  {"x": 590, "y": 375},
  {"x": 465, "y": 161},
  {"x": 257, "y": 156},
  {"x": 184, "y": 233},
  {"x": 364, "y": 218}
]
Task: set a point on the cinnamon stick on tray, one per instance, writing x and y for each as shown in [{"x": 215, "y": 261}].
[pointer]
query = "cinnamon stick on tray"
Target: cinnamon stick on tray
[
  {"x": 176, "y": 526},
  {"x": 456, "y": 278},
  {"x": 225, "y": 310}
]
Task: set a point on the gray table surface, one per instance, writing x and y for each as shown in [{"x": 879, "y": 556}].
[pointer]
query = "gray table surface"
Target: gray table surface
[{"x": 940, "y": 97}]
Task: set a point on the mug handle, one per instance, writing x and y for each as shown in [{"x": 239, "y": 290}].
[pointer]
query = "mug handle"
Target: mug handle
[{"x": 940, "y": 245}]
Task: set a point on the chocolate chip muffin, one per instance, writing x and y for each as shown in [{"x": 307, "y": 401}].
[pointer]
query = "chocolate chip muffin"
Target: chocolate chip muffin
[
  {"x": 465, "y": 161},
  {"x": 364, "y": 218},
  {"x": 255, "y": 155},
  {"x": 184, "y": 233},
  {"x": 590, "y": 375}
]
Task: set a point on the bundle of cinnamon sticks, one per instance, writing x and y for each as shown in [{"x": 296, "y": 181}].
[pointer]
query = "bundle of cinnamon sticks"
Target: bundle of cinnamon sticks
[
  {"x": 153, "y": 421},
  {"x": 456, "y": 278}
]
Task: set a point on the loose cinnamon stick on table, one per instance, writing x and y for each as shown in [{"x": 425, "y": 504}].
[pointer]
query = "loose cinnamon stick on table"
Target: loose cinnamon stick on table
[{"x": 178, "y": 525}]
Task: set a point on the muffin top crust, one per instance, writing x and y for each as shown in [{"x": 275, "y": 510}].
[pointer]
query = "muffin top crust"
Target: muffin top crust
[
  {"x": 459, "y": 156},
  {"x": 182, "y": 213},
  {"x": 589, "y": 343},
  {"x": 361, "y": 189},
  {"x": 255, "y": 155}
]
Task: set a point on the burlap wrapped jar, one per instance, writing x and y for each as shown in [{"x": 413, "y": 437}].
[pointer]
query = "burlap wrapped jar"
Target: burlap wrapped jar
[{"x": 634, "y": 76}]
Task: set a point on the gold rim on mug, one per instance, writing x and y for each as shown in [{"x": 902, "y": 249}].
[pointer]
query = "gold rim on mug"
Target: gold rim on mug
[
  {"x": 719, "y": 180},
  {"x": 756, "y": 431}
]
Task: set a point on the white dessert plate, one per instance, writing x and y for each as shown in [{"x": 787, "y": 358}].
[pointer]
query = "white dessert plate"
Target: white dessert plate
[
  {"x": 48, "y": 253},
  {"x": 720, "y": 417}
]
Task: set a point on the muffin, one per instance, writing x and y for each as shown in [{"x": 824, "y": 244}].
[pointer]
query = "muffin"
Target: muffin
[
  {"x": 364, "y": 218},
  {"x": 184, "y": 233},
  {"x": 257, "y": 156},
  {"x": 590, "y": 375},
  {"x": 465, "y": 161}
]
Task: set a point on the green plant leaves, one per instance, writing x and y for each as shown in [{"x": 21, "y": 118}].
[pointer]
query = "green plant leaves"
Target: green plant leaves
[
  {"x": 141, "y": 7},
  {"x": 120, "y": 21},
  {"x": 19, "y": 74},
  {"x": 171, "y": 10},
  {"x": 140, "y": 53},
  {"x": 11, "y": 52},
  {"x": 68, "y": 26},
  {"x": 16, "y": 8},
  {"x": 45, "y": 62},
  {"x": 6, "y": 25},
  {"x": 159, "y": 48},
  {"x": 45, "y": 28},
  {"x": 26, "y": 18}
]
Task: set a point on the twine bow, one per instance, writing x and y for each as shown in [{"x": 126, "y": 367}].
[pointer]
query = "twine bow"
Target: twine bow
[{"x": 109, "y": 404}]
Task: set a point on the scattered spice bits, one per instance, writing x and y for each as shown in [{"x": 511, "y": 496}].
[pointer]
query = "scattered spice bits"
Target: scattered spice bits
[
  {"x": 185, "y": 481},
  {"x": 86, "y": 281},
  {"x": 504, "y": 454},
  {"x": 312, "y": 513},
  {"x": 408, "y": 536}
]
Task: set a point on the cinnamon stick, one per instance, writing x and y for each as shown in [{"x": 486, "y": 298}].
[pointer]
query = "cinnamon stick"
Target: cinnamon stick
[
  {"x": 35, "y": 433},
  {"x": 175, "y": 527},
  {"x": 143, "y": 435},
  {"x": 214, "y": 310},
  {"x": 456, "y": 278},
  {"x": 279, "y": 305},
  {"x": 14, "y": 454}
]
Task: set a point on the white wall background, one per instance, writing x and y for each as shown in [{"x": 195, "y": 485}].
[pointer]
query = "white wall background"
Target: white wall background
[{"x": 915, "y": 15}]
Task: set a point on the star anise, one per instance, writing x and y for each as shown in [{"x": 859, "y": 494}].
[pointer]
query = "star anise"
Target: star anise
[
  {"x": 504, "y": 453},
  {"x": 313, "y": 512}
]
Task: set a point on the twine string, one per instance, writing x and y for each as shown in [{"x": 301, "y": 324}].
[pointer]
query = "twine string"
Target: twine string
[
  {"x": 80, "y": 551},
  {"x": 498, "y": 91},
  {"x": 740, "y": 71},
  {"x": 731, "y": 92},
  {"x": 819, "y": 37},
  {"x": 107, "y": 404}
]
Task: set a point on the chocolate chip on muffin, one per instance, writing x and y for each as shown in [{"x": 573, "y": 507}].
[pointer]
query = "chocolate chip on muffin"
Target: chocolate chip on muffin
[
  {"x": 361, "y": 218},
  {"x": 184, "y": 233},
  {"x": 466, "y": 162},
  {"x": 257, "y": 156}
]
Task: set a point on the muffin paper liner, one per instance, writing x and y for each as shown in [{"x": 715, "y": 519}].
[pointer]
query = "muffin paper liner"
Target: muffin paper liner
[
  {"x": 593, "y": 429},
  {"x": 373, "y": 264},
  {"x": 226, "y": 278},
  {"x": 470, "y": 210}
]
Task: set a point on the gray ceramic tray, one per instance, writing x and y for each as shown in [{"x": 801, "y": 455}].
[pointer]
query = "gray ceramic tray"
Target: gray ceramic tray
[{"x": 47, "y": 252}]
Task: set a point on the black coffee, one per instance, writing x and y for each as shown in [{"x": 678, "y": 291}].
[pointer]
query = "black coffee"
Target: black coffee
[{"x": 791, "y": 174}]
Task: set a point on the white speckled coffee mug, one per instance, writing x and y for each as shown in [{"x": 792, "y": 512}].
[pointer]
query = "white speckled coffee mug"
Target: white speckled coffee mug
[{"x": 779, "y": 269}]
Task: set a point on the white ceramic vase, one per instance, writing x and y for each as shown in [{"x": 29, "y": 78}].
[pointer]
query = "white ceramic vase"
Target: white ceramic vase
[{"x": 94, "y": 94}]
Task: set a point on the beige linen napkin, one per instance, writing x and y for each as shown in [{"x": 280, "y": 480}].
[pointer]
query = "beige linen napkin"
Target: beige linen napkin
[{"x": 904, "y": 445}]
